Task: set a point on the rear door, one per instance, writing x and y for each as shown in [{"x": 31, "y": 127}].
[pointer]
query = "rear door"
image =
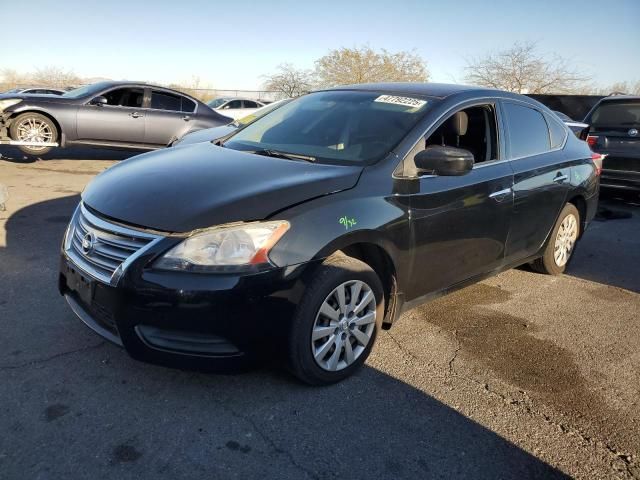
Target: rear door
[
  {"x": 541, "y": 177},
  {"x": 121, "y": 120},
  {"x": 168, "y": 117}
]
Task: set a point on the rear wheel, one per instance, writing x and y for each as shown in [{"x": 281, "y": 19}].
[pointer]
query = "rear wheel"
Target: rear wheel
[
  {"x": 33, "y": 127},
  {"x": 561, "y": 244},
  {"x": 336, "y": 323}
]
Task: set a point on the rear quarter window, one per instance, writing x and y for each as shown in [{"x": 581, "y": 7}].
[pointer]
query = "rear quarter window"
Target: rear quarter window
[{"x": 557, "y": 130}]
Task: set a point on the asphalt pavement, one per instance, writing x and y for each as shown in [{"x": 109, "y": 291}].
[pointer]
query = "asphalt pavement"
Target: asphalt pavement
[{"x": 520, "y": 376}]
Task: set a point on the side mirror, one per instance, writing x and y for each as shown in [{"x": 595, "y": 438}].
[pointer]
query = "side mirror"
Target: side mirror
[
  {"x": 99, "y": 100},
  {"x": 445, "y": 161}
]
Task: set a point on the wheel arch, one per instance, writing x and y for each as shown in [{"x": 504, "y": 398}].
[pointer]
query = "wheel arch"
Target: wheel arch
[
  {"x": 578, "y": 201},
  {"x": 44, "y": 113},
  {"x": 377, "y": 255}
]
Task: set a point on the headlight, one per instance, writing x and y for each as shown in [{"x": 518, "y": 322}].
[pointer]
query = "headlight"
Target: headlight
[
  {"x": 9, "y": 102},
  {"x": 241, "y": 247}
]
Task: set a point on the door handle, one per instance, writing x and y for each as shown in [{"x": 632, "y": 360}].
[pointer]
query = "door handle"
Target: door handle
[
  {"x": 500, "y": 194},
  {"x": 135, "y": 115},
  {"x": 186, "y": 118},
  {"x": 560, "y": 178}
]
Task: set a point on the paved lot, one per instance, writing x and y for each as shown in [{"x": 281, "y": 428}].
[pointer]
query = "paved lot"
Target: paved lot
[{"x": 520, "y": 376}]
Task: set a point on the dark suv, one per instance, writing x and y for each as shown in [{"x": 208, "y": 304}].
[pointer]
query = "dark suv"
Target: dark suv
[
  {"x": 615, "y": 132},
  {"x": 308, "y": 230}
]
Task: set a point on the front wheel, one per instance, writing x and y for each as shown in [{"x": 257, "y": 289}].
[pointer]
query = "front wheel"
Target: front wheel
[
  {"x": 561, "y": 243},
  {"x": 33, "y": 127},
  {"x": 336, "y": 322}
]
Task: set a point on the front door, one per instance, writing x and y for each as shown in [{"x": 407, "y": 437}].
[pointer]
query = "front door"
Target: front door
[
  {"x": 459, "y": 224},
  {"x": 121, "y": 120}
]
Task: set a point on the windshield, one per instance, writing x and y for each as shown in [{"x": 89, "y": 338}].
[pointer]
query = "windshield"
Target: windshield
[
  {"x": 86, "y": 90},
  {"x": 216, "y": 102},
  {"x": 616, "y": 114},
  {"x": 338, "y": 127},
  {"x": 261, "y": 112},
  {"x": 14, "y": 90}
]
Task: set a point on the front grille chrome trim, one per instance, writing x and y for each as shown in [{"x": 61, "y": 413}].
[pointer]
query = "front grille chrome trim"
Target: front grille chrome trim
[{"x": 116, "y": 246}]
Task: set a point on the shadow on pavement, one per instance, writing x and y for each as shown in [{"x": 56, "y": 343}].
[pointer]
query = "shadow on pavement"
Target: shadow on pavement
[
  {"x": 608, "y": 252},
  {"x": 14, "y": 155},
  {"x": 75, "y": 406}
]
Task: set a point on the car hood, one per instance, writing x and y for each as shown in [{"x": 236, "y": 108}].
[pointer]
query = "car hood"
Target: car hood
[
  {"x": 198, "y": 186},
  {"x": 205, "y": 135}
]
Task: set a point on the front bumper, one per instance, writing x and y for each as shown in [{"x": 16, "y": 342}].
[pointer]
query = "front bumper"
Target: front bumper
[{"x": 184, "y": 320}]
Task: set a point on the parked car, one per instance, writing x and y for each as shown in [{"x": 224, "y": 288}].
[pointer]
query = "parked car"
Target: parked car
[
  {"x": 234, "y": 107},
  {"x": 216, "y": 133},
  {"x": 579, "y": 129},
  {"x": 37, "y": 91},
  {"x": 316, "y": 225},
  {"x": 113, "y": 114},
  {"x": 614, "y": 132}
]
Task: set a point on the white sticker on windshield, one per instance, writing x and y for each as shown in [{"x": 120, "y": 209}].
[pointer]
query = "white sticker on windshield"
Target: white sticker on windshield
[{"x": 405, "y": 101}]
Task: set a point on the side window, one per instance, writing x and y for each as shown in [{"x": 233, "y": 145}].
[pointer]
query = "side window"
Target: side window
[
  {"x": 250, "y": 104},
  {"x": 165, "y": 101},
  {"x": 233, "y": 104},
  {"x": 125, "y": 97},
  {"x": 473, "y": 128},
  {"x": 528, "y": 132},
  {"x": 558, "y": 132},
  {"x": 188, "y": 106}
]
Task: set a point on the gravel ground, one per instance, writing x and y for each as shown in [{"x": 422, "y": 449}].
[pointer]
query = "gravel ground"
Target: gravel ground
[{"x": 519, "y": 376}]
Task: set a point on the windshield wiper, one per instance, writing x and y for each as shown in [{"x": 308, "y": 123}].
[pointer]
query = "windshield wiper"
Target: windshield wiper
[{"x": 290, "y": 156}]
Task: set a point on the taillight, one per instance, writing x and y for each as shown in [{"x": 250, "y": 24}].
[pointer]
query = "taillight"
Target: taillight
[
  {"x": 592, "y": 140},
  {"x": 597, "y": 162}
]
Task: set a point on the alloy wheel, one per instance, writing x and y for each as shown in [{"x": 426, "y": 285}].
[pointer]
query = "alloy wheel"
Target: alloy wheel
[
  {"x": 344, "y": 325},
  {"x": 565, "y": 240},
  {"x": 34, "y": 130}
]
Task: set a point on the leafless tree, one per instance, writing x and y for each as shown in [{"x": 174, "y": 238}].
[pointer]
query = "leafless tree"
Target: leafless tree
[
  {"x": 346, "y": 66},
  {"x": 289, "y": 81},
  {"x": 10, "y": 78},
  {"x": 195, "y": 88},
  {"x": 51, "y": 76},
  {"x": 624, "y": 87},
  {"x": 522, "y": 69}
]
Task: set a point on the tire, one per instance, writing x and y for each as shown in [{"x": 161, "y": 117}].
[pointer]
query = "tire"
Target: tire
[
  {"x": 33, "y": 126},
  {"x": 563, "y": 238},
  {"x": 357, "y": 278}
]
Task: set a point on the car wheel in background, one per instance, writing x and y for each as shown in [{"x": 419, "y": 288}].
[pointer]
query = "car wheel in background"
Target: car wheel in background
[
  {"x": 33, "y": 127},
  {"x": 561, "y": 244},
  {"x": 336, "y": 322}
]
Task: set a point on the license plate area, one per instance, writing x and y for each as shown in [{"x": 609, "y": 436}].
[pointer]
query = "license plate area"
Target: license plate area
[{"x": 80, "y": 284}]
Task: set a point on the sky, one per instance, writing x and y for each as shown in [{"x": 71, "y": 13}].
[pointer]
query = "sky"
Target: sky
[{"x": 232, "y": 45}]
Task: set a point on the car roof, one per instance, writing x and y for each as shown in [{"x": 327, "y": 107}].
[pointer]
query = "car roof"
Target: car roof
[
  {"x": 620, "y": 98},
  {"x": 440, "y": 90},
  {"x": 227, "y": 99}
]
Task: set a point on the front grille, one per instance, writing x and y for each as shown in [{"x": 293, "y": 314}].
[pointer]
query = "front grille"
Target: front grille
[{"x": 101, "y": 248}]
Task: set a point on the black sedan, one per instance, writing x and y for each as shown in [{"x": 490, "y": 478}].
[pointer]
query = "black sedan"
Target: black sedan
[
  {"x": 313, "y": 227},
  {"x": 106, "y": 114}
]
